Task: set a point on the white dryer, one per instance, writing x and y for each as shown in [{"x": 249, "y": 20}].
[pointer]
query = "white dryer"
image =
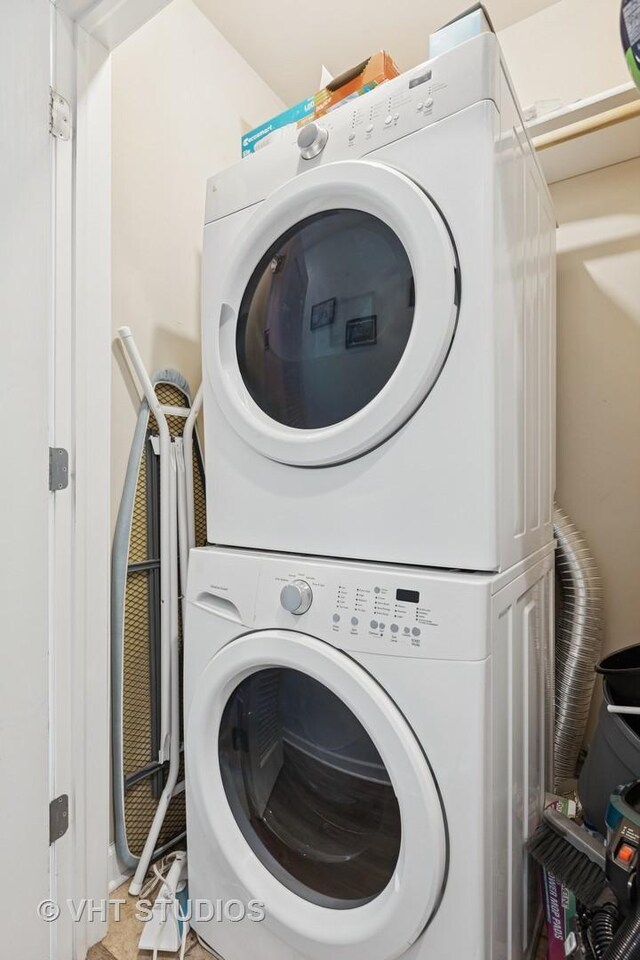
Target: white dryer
[
  {"x": 368, "y": 767},
  {"x": 378, "y": 330}
]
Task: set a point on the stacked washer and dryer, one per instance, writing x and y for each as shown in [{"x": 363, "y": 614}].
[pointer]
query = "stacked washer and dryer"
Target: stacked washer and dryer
[{"x": 368, "y": 647}]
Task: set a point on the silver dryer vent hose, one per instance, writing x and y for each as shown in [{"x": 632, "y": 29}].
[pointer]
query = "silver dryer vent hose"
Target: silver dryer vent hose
[{"x": 578, "y": 642}]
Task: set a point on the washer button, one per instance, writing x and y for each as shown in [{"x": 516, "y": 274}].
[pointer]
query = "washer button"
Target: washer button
[
  {"x": 381, "y": 625},
  {"x": 416, "y": 632},
  {"x": 296, "y": 597},
  {"x": 374, "y": 624},
  {"x": 406, "y": 630},
  {"x": 394, "y": 628},
  {"x": 336, "y": 618},
  {"x": 354, "y": 621}
]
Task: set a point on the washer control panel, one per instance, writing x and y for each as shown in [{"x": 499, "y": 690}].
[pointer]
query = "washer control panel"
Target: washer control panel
[
  {"x": 397, "y": 611},
  {"x": 399, "y": 615}
]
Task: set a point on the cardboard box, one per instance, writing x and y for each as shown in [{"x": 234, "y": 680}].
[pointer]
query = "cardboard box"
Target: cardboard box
[
  {"x": 353, "y": 83},
  {"x": 559, "y": 901},
  {"x": 298, "y": 114},
  {"x": 350, "y": 84}
]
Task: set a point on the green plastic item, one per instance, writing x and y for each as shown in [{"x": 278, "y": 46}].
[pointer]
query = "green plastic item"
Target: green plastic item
[{"x": 630, "y": 31}]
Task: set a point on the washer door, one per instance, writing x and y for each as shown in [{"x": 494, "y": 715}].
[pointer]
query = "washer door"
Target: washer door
[
  {"x": 337, "y": 312},
  {"x": 317, "y": 794}
]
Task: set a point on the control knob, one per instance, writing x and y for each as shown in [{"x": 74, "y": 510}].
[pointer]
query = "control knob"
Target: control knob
[
  {"x": 312, "y": 139},
  {"x": 296, "y": 597}
]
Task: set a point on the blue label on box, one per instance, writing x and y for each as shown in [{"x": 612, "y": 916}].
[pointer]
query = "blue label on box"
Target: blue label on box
[{"x": 300, "y": 111}]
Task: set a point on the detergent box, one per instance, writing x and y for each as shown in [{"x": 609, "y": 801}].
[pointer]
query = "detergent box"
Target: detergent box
[
  {"x": 259, "y": 136},
  {"x": 350, "y": 84},
  {"x": 559, "y": 901}
]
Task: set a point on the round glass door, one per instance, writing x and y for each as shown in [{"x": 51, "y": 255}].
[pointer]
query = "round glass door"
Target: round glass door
[
  {"x": 309, "y": 789},
  {"x": 310, "y": 792},
  {"x": 325, "y": 318},
  {"x": 331, "y": 316}
]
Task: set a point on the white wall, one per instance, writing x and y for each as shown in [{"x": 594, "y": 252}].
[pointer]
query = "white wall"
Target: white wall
[
  {"x": 570, "y": 50},
  {"x": 599, "y": 379},
  {"x": 181, "y": 97}
]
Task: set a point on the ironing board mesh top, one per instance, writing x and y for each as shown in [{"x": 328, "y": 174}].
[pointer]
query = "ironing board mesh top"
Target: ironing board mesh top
[
  {"x": 140, "y": 807},
  {"x": 141, "y": 797},
  {"x": 136, "y": 699},
  {"x": 199, "y": 502}
]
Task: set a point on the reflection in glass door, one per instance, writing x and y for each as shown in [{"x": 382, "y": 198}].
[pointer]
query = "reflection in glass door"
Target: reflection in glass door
[
  {"x": 325, "y": 318},
  {"x": 309, "y": 789}
]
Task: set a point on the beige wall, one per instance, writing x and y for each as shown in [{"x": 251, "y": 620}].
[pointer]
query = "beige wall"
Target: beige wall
[
  {"x": 568, "y": 51},
  {"x": 181, "y": 97},
  {"x": 599, "y": 379}
]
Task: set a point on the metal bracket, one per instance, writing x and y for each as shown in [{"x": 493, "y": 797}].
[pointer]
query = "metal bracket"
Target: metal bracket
[
  {"x": 58, "y": 817},
  {"x": 59, "y": 116},
  {"x": 58, "y": 469}
]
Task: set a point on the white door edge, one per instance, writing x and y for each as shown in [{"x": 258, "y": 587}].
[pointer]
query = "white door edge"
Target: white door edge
[{"x": 80, "y": 752}]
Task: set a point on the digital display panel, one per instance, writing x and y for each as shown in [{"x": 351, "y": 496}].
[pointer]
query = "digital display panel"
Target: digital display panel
[
  {"x": 416, "y": 81},
  {"x": 408, "y": 596}
]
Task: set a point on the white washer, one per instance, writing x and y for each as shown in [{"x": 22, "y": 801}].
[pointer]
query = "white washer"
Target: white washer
[
  {"x": 367, "y": 763},
  {"x": 378, "y": 330}
]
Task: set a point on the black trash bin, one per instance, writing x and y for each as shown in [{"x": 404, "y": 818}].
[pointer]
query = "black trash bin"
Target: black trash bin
[
  {"x": 613, "y": 760},
  {"x": 621, "y": 670}
]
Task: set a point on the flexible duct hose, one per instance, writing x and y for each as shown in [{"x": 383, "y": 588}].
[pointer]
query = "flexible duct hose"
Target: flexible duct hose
[
  {"x": 626, "y": 943},
  {"x": 578, "y": 642}
]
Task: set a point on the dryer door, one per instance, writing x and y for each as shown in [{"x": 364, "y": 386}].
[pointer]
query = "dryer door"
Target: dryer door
[
  {"x": 336, "y": 315},
  {"x": 315, "y": 791}
]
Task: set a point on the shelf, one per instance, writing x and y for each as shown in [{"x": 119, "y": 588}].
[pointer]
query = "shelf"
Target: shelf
[{"x": 588, "y": 134}]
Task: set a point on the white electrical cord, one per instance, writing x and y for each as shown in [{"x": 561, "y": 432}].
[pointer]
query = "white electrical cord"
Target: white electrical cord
[
  {"x": 185, "y": 933},
  {"x": 159, "y": 873}
]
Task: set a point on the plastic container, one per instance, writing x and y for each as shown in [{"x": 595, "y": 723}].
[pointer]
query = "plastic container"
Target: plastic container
[
  {"x": 613, "y": 760},
  {"x": 621, "y": 670}
]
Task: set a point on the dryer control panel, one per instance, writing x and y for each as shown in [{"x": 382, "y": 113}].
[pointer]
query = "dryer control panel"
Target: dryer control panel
[{"x": 422, "y": 96}]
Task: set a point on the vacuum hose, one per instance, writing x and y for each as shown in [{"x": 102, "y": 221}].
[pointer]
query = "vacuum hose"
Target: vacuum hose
[
  {"x": 604, "y": 923},
  {"x": 626, "y": 943}
]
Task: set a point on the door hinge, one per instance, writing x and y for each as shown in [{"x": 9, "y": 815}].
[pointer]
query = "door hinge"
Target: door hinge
[
  {"x": 58, "y": 817},
  {"x": 59, "y": 116},
  {"x": 58, "y": 469}
]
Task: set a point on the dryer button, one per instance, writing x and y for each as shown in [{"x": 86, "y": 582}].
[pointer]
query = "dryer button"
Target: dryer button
[{"x": 312, "y": 140}]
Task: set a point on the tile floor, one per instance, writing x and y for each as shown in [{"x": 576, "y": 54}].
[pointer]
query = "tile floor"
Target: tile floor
[{"x": 121, "y": 942}]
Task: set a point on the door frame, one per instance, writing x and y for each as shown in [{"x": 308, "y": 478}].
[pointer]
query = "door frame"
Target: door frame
[{"x": 84, "y": 33}]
